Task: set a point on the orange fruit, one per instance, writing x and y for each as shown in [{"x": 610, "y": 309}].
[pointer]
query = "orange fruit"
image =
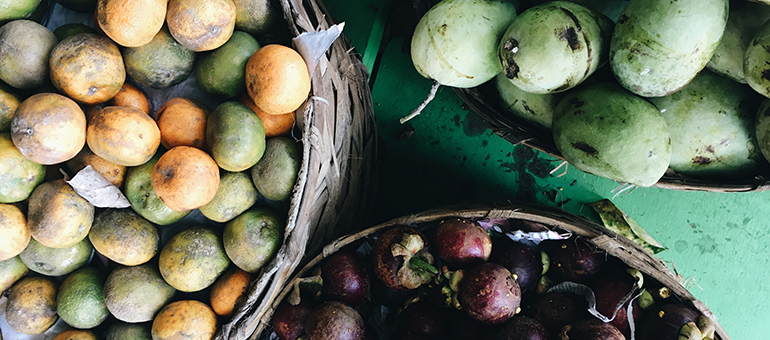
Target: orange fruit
[
  {"x": 76, "y": 334},
  {"x": 115, "y": 173},
  {"x": 91, "y": 110},
  {"x": 201, "y": 25},
  {"x": 9, "y": 101},
  {"x": 275, "y": 125},
  {"x": 123, "y": 135},
  {"x": 130, "y": 95},
  {"x": 131, "y": 23},
  {"x": 227, "y": 289},
  {"x": 185, "y": 178},
  {"x": 31, "y": 305},
  {"x": 124, "y": 236},
  {"x": 277, "y": 79},
  {"x": 87, "y": 67},
  {"x": 48, "y": 128},
  {"x": 57, "y": 216},
  {"x": 14, "y": 233},
  {"x": 186, "y": 319},
  {"x": 182, "y": 122}
]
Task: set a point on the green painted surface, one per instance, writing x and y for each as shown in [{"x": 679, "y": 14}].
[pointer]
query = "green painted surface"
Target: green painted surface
[
  {"x": 364, "y": 25},
  {"x": 717, "y": 241}
]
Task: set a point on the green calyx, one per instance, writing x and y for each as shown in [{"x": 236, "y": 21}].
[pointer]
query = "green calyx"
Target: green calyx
[{"x": 418, "y": 266}]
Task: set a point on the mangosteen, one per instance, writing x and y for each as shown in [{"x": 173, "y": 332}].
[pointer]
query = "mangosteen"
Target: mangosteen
[
  {"x": 461, "y": 243},
  {"x": 520, "y": 328},
  {"x": 667, "y": 322},
  {"x": 411, "y": 337},
  {"x": 370, "y": 333},
  {"x": 444, "y": 289},
  {"x": 424, "y": 319},
  {"x": 463, "y": 327},
  {"x": 334, "y": 320},
  {"x": 344, "y": 278},
  {"x": 573, "y": 259},
  {"x": 590, "y": 329},
  {"x": 554, "y": 310},
  {"x": 289, "y": 320},
  {"x": 609, "y": 290},
  {"x": 401, "y": 258},
  {"x": 525, "y": 264},
  {"x": 387, "y": 296},
  {"x": 489, "y": 293}
]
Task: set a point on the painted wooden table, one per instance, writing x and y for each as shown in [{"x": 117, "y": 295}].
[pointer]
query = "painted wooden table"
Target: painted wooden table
[{"x": 718, "y": 242}]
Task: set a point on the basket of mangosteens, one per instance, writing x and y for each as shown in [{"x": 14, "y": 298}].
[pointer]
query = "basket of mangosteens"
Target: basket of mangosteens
[{"x": 487, "y": 271}]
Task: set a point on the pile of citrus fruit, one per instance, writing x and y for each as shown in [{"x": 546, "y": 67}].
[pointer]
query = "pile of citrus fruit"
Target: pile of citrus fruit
[{"x": 208, "y": 186}]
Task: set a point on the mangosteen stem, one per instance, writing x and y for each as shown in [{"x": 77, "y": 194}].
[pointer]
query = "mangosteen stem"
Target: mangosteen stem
[
  {"x": 313, "y": 283},
  {"x": 416, "y": 263},
  {"x": 707, "y": 327},
  {"x": 638, "y": 276},
  {"x": 546, "y": 262},
  {"x": 416, "y": 112},
  {"x": 645, "y": 300},
  {"x": 690, "y": 331}
]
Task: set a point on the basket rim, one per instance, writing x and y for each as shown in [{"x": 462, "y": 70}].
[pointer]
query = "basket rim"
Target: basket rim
[{"x": 615, "y": 245}]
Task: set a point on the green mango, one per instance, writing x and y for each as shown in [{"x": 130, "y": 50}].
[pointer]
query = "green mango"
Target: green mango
[
  {"x": 659, "y": 45},
  {"x": 532, "y": 107},
  {"x": 756, "y": 62},
  {"x": 743, "y": 22},
  {"x": 553, "y": 47},
  {"x": 711, "y": 122},
  {"x": 762, "y": 128},
  {"x": 610, "y": 8},
  {"x": 608, "y": 131},
  {"x": 455, "y": 42}
]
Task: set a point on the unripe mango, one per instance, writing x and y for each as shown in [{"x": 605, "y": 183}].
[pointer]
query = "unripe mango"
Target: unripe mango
[
  {"x": 605, "y": 130},
  {"x": 658, "y": 46},
  {"x": 744, "y": 21},
  {"x": 455, "y": 42},
  {"x": 711, "y": 122},
  {"x": 555, "y": 46}
]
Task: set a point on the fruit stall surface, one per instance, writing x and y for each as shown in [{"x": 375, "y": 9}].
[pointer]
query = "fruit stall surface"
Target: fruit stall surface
[{"x": 717, "y": 242}]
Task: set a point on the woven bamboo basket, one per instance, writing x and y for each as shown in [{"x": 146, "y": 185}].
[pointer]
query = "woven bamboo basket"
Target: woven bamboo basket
[
  {"x": 484, "y": 100},
  {"x": 335, "y": 187},
  {"x": 552, "y": 218}
]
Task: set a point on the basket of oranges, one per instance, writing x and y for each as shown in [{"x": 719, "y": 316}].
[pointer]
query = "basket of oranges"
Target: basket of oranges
[{"x": 176, "y": 157}]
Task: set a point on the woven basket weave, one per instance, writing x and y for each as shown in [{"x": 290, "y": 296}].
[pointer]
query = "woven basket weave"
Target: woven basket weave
[
  {"x": 620, "y": 247},
  {"x": 335, "y": 188},
  {"x": 484, "y": 100}
]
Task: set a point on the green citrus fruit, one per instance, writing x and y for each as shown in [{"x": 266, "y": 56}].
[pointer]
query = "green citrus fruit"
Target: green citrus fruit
[
  {"x": 193, "y": 259},
  {"x": 136, "y": 294},
  {"x": 140, "y": 193},
  {"x": 221, "y": 72},
  {"x": 253, "y": 238},
  {"x": 124, "y": 236},
  {"x": 80, "y": 301},
  {"x": 161, "y": 63},
  {"x": 275, "y": 174},
  {"x": 235, "y": 194},
  {"x": 18, "y": 175}
]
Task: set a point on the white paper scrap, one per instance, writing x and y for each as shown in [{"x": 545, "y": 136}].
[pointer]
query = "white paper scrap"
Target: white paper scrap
[
  {"x": 312, "y": 45},
  {"x": 97, "y": 190}
]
